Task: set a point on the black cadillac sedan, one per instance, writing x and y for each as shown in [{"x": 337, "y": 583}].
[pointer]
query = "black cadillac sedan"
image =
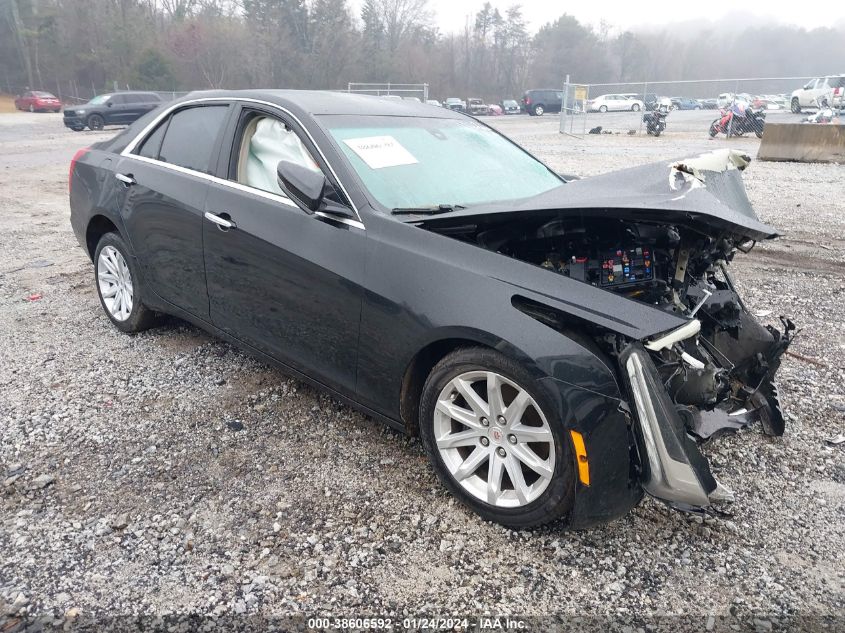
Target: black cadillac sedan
[{"x": 561, "y": 346}]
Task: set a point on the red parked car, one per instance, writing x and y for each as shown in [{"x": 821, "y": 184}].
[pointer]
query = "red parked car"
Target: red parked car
[{"x": 36, "y": 101}]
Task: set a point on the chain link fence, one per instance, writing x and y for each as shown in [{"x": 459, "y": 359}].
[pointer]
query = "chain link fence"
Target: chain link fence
[
  {"x": 619, "y": 108},
  {"x": 404, "y": 91}
]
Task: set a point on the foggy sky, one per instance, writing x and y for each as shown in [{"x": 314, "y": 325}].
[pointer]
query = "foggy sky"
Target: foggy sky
[{"x": 451, "y": 15}]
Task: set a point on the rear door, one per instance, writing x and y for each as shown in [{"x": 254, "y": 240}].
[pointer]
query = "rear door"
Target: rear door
[
  {"x": 169, "y": 172},
  {"x": 133, "y": 107},
  {"x": 284, "y": 281}
]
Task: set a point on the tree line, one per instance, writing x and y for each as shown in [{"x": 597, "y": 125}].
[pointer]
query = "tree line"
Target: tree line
[{"x": 88, "y": 46}]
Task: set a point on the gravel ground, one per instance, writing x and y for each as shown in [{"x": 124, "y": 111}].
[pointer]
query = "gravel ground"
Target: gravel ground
[{"x": 168, "y": 473}]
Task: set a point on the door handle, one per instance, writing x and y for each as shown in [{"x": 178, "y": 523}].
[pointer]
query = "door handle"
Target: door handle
[
  {"x": 223, "y": 221},
  {"x": 126, "y": 179}
]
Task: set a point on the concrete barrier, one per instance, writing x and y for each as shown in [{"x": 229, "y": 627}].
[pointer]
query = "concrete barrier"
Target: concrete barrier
[{"x": 803, "y": 142}]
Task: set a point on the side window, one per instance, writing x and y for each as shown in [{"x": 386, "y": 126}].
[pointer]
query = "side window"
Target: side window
[
  {"x": 151, "y": 145},
  {"x": 118, "y": 99},
  {"x": 191, "y": 136},
  {"x": 263, "y": 142}
]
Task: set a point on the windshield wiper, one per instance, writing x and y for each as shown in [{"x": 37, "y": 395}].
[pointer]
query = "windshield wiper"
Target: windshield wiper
[{"x": 440, "y": 208}]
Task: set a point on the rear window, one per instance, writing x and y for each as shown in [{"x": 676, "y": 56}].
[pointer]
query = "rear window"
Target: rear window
[
  {"x": 191, "y": 135},
  {"x": 152, "y": 144}
]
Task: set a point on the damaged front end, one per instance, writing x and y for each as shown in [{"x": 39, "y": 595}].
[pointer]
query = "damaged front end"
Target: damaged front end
[{"x": 666, "y": 242}]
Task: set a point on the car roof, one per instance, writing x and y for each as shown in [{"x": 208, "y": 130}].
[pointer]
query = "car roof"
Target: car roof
[{"x": 321, "y": 102}]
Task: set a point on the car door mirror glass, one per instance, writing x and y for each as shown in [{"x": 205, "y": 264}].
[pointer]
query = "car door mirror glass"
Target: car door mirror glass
[{"x": 305, "y": 186}]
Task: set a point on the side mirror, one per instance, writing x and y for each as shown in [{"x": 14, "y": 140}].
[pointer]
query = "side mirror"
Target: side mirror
[
  {"x": 109, "y": 104},
  {"x": 305, "y": 186}
]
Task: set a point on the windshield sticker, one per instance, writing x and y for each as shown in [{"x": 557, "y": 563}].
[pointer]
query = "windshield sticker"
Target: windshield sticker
[{"x": 381, "y": 151}]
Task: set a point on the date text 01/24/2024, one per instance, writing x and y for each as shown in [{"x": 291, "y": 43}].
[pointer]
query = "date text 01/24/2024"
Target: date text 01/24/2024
[{"x": 487, "y": 623}]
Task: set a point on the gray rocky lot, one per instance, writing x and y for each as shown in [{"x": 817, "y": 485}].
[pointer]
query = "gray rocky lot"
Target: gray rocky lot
[{"x": 169, "y": 473}]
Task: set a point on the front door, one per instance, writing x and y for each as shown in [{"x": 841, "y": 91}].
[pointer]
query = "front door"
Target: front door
[
  {"x": 168, "y": 177},
  {"x": 284, "y": 281}
]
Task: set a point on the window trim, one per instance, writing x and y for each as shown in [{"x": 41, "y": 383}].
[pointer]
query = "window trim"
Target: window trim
[{"x": 130, "y": 148}]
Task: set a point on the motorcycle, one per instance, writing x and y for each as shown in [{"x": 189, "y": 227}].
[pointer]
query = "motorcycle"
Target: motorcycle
[
  {"x": 656, "y": 121},
  {"x": 738, "y": 120}
]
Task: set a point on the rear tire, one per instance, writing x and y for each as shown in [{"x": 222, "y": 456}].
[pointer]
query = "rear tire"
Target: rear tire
[
  {"x": 603, "y": 109},
  {"x": 119, "y": 285},
  {"x": 476, "y": 447},
  {"x": 31, "y": 108},
  {"x": 635, "y": 107},
  {"x": 96, "y": 122}
]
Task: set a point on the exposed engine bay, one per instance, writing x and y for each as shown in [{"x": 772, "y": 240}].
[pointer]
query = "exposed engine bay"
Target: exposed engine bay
[{"x": 711, "y": 375}]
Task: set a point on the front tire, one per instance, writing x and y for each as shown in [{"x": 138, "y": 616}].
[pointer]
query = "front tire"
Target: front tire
[
  {"x": 96, "y": 122},
  {"x": 603, "y": 109},
  {"x": 494, "y": 440},
  {"x": 635, "y": 107},
  {"x": 795, "y": 106},
  {"x": 31, "y": 108},
  {"x": 539, "y": 110},
  {"x": 119, "y": 285},
  {"x": 714, "y": 129}
]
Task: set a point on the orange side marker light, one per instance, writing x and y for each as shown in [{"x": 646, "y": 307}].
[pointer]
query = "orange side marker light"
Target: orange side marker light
[{"x": 581, "y": 457}]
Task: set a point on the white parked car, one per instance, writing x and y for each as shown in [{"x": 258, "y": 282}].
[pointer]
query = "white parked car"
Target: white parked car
[
  {"x": 615, "y": 103},
  {"x": 434, "y": 102},
  {"x": 833, "y": 86},
  {"x": 727, "y": 98}
]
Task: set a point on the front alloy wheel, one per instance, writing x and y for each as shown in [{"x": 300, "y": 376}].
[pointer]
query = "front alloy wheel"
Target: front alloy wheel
[
  {"x": 96, "y": 122},
  {"x": 492, "y": 441},
  {"x": 502, "y": 454}
]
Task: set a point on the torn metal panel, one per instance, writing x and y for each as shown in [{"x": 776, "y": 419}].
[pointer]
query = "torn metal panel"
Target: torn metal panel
[{"x": 707, "y": 193}]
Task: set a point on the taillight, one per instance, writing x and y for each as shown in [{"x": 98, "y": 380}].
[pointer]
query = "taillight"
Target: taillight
[{"x": 79, "y": 154}]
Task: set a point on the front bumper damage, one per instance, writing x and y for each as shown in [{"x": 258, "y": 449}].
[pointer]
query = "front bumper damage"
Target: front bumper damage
[{"x": 668, "y": 433}]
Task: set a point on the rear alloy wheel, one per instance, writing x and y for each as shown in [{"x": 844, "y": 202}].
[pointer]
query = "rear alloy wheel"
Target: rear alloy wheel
[
  {"x": 31, "y": 108},
  {"x": 492, "y": 441},
  {"x": 635, "y": 107},
  {"x": 795, "y": 106},
  {"x": 539, "y": 110},
  {"x": 603, "y": 108},
  {"x": 96, "y": 122},
  {"x": 118, "y": 285}
]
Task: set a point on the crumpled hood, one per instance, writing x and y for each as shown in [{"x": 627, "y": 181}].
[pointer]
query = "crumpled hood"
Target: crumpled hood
[{"x": 705, "y": 190}]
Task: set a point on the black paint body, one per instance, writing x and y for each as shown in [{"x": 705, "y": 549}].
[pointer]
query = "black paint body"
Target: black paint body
[{"x": 356, "y": 307}]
